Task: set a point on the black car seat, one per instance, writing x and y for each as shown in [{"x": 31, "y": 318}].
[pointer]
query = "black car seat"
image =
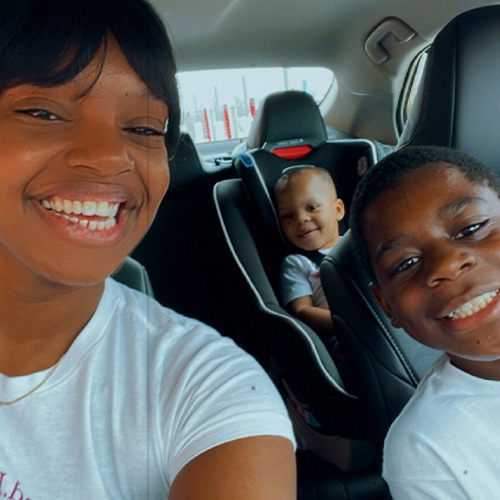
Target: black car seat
[
  {"x": 134, "y": 275},
  {"x": 325, "y": 413},
  {"x": 180, "y": 250},
  {"x": 456, "y": 106}
]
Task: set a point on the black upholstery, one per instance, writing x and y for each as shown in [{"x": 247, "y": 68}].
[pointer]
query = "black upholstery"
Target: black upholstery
[
  {"x": 134, "y": 275},
  {"x": 180, "y": 251},
  {"x": 457, "y": 106},
  {"x": 284, "y": 118}
]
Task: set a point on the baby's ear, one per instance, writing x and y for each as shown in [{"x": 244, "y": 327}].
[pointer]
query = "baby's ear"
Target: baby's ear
[
  {"x": 380, "y": 298},
  {"x": 339, "y": 209}
]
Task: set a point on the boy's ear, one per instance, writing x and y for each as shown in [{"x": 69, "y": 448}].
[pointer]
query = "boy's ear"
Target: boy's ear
[
  {"x": 339, "y": 209},
  {"x": 380, "y": 298}
]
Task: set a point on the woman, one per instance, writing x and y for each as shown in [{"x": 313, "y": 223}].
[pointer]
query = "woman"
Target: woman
[{"x": 104, "y": 393}]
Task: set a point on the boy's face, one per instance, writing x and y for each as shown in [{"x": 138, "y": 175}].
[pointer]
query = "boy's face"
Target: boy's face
[
  {"x": 434, "y": 245},
  {"x": 309, "y": 211},
  {"x": 80, "y": 177}
]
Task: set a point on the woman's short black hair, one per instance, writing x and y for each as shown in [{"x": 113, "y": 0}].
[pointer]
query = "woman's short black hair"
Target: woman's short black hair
[
  {"x": 49, "y": 42},
  {"x": 387, "y": 174}
]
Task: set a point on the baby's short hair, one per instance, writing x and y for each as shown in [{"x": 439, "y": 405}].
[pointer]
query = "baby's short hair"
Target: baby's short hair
[
  {"x": 387, "y": 174},
  {"x": 294, "y": 170}
]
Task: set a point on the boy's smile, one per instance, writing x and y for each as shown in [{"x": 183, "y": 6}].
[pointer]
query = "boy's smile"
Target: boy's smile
[
  {"x": 436, "y": 255},
  {"x": 84, "y": 167}
]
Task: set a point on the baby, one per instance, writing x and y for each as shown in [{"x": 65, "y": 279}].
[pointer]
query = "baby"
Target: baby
[{"x": 309, "y": 212}]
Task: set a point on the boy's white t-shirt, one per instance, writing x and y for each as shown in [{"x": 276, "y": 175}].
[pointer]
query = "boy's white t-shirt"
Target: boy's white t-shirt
[
  {"x": 140, "y": 393},
  {"x": 445, "y": 444}
]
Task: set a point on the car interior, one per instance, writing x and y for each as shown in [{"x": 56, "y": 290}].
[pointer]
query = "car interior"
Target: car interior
[{"x": 406, "y": 73}]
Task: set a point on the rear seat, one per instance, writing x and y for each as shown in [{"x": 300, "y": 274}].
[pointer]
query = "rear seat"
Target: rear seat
[{"x": 180, "y": 250}]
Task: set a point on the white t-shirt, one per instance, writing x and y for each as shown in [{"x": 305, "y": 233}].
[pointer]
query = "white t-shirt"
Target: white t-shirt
[
  {"x": 445, "y": 445},
  {"x": 140, "y": 393},
  {"x": 299, "y": 277}
]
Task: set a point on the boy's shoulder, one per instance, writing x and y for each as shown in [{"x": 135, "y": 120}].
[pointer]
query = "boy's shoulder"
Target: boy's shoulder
[{"x": 435, "y": 413}]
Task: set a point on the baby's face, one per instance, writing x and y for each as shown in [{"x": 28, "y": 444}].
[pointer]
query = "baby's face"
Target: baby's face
[
  {"x": 309, "y": 211},
  {"x": 434, "y": 247}
]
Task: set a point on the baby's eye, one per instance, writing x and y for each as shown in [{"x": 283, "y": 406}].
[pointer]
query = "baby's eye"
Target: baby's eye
[
  {"x": 406, "y": 265},
  {"x": 312, "y": 207},
  {"x": 470, "y": 230},
  {"x": 41, "y": 114},
  {"x": 286, "y": 216}
]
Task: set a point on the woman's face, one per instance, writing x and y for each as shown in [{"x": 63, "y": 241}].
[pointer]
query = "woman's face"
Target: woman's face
[{"x": 83, "y": 168}]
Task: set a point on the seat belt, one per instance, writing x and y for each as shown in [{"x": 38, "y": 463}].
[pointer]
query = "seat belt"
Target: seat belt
[{"x": 315, "y": 256}]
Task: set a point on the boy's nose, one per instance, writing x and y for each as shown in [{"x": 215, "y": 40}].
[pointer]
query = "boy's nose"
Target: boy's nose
[
  {"x": 447, "y": 265},
  {"x": 102, "y": 149}
]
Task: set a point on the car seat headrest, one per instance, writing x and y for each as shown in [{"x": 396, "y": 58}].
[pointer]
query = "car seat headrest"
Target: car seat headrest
[
  {"x": 186, "y": 168},
  {"x": 287, "y": 123},
  {"x": 457, "y": 104}
]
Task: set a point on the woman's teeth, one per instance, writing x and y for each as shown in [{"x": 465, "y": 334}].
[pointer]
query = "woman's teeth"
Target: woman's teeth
[
  {"x": 473, "y": 306},
  {"x": 74, "y": 210}
]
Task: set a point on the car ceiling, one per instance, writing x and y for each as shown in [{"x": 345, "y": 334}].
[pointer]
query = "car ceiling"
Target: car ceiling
[{"x": 211, "y": 34}]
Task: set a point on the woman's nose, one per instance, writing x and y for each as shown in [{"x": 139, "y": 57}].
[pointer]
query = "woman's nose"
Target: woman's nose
[
  {"x": 447, "y": 264},
  {"x": 104, "y": 149}
]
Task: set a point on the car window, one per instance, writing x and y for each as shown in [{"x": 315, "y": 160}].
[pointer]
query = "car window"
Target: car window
[
  {"x": 412, "y": 84},
  {"x": 219, "y": 105}
]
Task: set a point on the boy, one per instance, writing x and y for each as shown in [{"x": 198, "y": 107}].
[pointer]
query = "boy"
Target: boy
[
  {"x": 309, "y": 212},
  {"x": 426, "y": 227}
]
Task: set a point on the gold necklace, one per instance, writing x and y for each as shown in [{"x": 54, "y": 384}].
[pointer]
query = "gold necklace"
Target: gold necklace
[{"x": 31, "y": 391}]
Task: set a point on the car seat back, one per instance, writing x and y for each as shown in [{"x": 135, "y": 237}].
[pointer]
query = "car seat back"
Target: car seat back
[{"x": 457, "y": 103}]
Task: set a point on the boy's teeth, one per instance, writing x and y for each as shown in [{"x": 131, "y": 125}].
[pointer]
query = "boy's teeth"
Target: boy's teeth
[{"x": 473, "y": 306}]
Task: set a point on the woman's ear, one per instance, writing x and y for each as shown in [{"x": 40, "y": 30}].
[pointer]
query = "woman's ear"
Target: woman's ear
[{"x": 380, "y": 298}]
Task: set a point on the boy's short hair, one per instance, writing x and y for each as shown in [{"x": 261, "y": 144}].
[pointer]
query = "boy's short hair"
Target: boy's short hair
[
  {"x": 294, "y": 170},
  {"x": 387, "y": 174},
  {"x": 49, "y": 42}
]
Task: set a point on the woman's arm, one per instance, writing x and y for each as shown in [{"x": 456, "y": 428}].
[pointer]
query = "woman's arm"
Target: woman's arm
[{"x": 253, "y": 468}]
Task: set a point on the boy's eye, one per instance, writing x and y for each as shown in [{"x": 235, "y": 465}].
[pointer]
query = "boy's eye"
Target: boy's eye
[
  {"x": 406, "y": 265},
  {"x": 470, "y": 230},
  {"x": 41, "y": 114}
]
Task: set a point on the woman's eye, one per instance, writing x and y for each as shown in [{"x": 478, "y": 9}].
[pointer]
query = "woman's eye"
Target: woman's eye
[
  {"x": 470, "y": 230},
  {"x": 147, "y": 131},
  {"x": 41, "y": 114},
  {"x": 405, "y": 265}
]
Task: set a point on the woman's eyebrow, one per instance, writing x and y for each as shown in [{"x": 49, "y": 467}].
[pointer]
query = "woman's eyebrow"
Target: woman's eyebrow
[{"x": 456, "y": 206}]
